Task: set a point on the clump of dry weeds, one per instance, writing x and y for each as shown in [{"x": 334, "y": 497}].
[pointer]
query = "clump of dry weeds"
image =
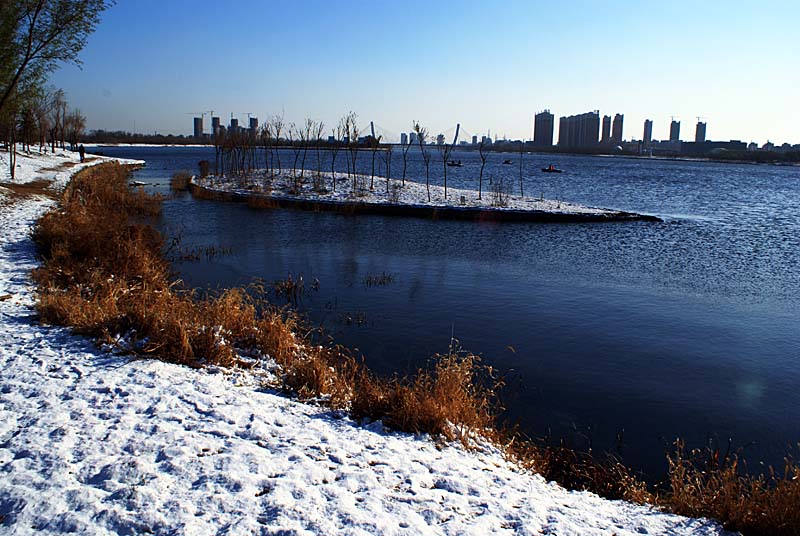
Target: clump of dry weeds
[
  {"x": 180, "y": 181},
  {"x": 706, "y": 482}
]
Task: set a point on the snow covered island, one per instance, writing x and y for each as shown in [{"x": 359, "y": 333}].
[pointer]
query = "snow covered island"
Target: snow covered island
[
  {"x": 363, "y": 194},
  {"x": 101, "y": 443}
]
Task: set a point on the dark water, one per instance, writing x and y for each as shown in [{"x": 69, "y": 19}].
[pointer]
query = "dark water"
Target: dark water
[{"x": 687, "y": 328}]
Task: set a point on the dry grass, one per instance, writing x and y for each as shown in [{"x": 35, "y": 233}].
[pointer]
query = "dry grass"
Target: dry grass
[
  {"x": 105, "y": 275},
  {"x": 708, "y": 483},
  {"x": 180, "y": 181},
  {"x": 455, "y": 398},
  {"x": 603, "y": 474}
]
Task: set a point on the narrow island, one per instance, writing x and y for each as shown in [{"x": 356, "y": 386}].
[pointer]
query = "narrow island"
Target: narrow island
[{"x": 367, "y": 194}]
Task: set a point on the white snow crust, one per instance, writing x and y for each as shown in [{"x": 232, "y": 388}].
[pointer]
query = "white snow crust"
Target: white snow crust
[{"x": 99, "y": 443}]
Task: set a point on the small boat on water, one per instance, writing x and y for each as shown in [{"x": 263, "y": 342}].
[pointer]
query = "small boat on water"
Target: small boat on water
[
  {"x": 507, "y": 162},
  {"x": 551, "y": 169},
  {"x": 455, "y": 163}
]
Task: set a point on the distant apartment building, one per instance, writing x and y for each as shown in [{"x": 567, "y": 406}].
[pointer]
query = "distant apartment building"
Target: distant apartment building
[
  {"x": 215, "y": 124},
  {"x": 198, "y": 127},
  {"x": 543, "y": 125},
  {"x": 412, "y": 137},
  {"x": 403, "y": 138},
  {"x": 647, "y": 137},
  {"x": 234, "y": 125},
  {"x": 474, "y": 140},
  {"x": 675, "y": 131},
  {"x": 616, "y": 129},
  {"x": 253, "y": 123},
  {"x": 700, "y": 132},
  {"x": 606, "y": 136},
  {"x": 579, "y": 131}
]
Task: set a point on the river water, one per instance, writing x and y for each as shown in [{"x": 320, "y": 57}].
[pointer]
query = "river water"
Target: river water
[{"x": 613, "y": 335}]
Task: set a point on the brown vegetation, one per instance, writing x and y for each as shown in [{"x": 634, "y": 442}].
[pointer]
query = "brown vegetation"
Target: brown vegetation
[
  {"x": 706, "y": 482},
  {"x": 180, "y": 181},
  {"x": 104, "y": 274}
]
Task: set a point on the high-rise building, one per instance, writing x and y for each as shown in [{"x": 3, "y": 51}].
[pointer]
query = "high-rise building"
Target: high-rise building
[
  {"x": 700, "y": 132},
  {"x": 606, "y": 136},
  {"x": 675, "y": 130},
  {"x": 647, "y": 137},
  {"x": 579, "y": 131},
  {"x": 198, "y": 127},
  {"x": 234, "y": 125},
  {"x": 543, "y": 125},
  {"x": 403, "y": 138},
  {"x": 412, "y": 137},
  {"x": 253, "y": 124},
  {"x": 474, "y": 140},
  {"x": 616, "y": 131},
  {"x": 215, "y": 126}
]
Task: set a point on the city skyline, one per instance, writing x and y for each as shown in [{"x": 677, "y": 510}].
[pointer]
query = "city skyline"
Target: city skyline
[{"x": 729, "y": 66}]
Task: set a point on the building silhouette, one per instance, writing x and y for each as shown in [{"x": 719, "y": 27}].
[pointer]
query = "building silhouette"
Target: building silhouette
[
  {"x": 215, "y": 124},
  {"x": 412, "y": 137},
  {"x": 606, "y": 136},
  {"x": 403, "y": 138},
  {"x": 253, "y": 123},
  {"x": 474, "y": 140},
  {"x": 616, "y": 131},
  {"x": 543, "y": 125},
  {"x": 579, "y": 131},
  {"x": 234, "y": 125},
  {"x": 198, "y": 127},
  {"x": 675, "y": 131},
  {"x": 647, "y": 137},
  {"x": 700, "y": 132}
]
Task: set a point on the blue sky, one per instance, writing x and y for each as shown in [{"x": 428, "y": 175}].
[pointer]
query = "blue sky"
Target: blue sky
[{"x": 487, "y": 65}]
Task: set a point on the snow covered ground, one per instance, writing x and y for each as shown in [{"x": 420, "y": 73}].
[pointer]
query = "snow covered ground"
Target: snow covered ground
[
  {"x": 97, "y": 443},
  {"x": 413, "y": 193}
]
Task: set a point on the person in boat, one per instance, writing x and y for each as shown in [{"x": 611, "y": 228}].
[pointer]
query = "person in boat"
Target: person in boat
[{"x": 551, "y": 167}]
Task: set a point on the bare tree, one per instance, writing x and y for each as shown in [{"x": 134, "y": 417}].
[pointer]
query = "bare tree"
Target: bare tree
[
  {"x": 277, "y": 126},
  {"x": 309, "y": 127},
  {"x": 57, "y": 109},
  {"x": 352, "y": 132},
  {"x": 386, "y": 156},
  {"x": 405, "y": 149},
  {"x": 319, "y": 128},
  {"x": 337, "y": 140},
  {"x": 74, "y": 125},
  {"x": 483, "y": 152},
  {"x": 422, "y": 136},
  {"x": 296, "y": 149},
  {"x": 445, "y": 151},
  {"x": 374, "y": 145},
  {"x": 265, "y": 135}
]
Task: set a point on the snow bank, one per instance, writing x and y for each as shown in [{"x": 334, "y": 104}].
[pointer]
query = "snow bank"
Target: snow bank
[{"x": 101, "y": 444}]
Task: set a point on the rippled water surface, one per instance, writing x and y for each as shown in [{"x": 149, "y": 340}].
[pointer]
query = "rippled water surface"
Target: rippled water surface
[{"x": 684, "y": 328}]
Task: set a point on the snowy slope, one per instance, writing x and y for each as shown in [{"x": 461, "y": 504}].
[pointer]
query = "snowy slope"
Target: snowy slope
[{"x": 97, "y": 443}]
